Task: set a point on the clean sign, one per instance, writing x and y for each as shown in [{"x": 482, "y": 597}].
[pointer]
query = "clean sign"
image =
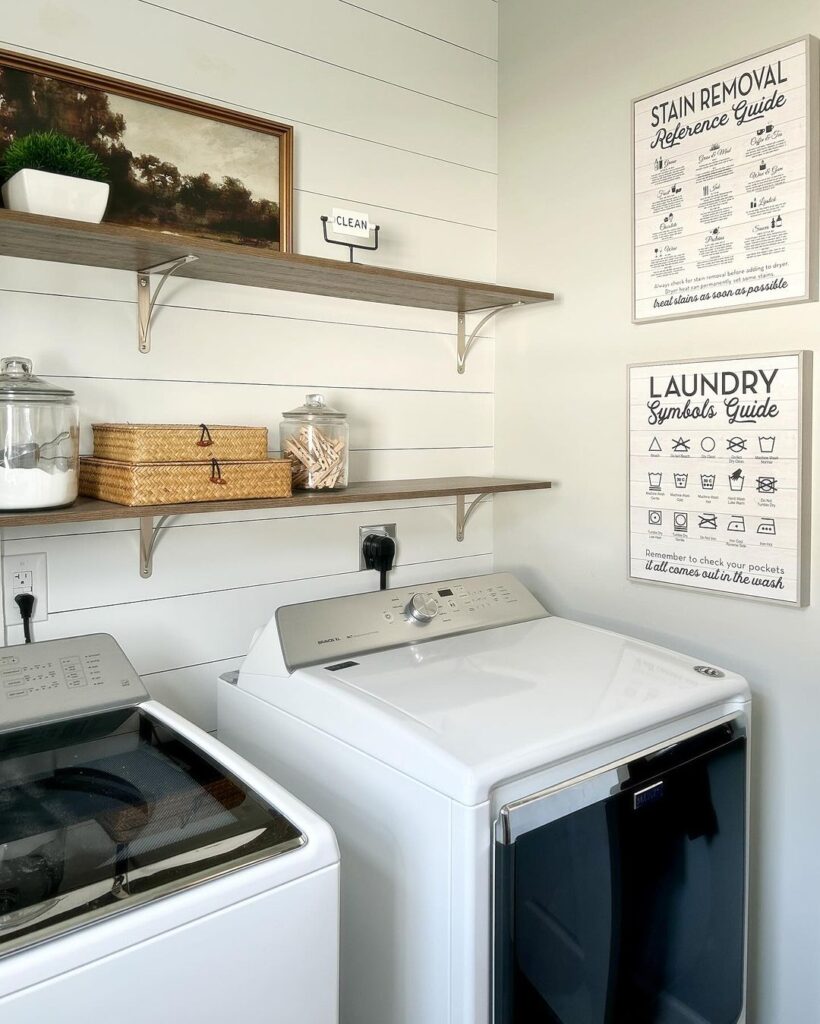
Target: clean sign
[{"x": 350, "y": 222}]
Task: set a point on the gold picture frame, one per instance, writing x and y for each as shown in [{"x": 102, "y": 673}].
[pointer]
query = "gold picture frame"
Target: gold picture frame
[{"x": 212, "y": 185}]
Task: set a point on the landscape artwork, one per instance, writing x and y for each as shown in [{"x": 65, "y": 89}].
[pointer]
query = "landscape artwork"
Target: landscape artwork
[{"x": 173, "y": 164}]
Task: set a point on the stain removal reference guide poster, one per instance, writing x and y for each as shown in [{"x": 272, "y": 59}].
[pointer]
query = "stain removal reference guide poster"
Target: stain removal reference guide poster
[
  {"x": 723, "y": 188},
  {"x": 717, "y": 492}
]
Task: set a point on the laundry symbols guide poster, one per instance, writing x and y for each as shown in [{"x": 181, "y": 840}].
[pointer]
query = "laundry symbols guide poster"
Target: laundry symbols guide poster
[
  {"x": 724, "y": 188},
  {"x": 718, "y": 491}
]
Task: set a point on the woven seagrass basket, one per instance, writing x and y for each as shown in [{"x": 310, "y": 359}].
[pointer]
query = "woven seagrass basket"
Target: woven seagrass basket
[
  {"x": 174, "y": 483},
  {"x": 178, "y": 442}
]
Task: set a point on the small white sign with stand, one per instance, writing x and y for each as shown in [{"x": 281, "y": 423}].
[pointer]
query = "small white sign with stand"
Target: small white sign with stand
[{"x": 350, "y": 222}]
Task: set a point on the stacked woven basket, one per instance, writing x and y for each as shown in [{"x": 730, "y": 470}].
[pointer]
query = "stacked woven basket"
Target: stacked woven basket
[{"x": 169, "y": 464}]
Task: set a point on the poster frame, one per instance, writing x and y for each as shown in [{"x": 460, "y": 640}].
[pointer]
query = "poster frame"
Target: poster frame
[
  {"x": 804, "y": 423},
  {"x": 812, "y": 186}
]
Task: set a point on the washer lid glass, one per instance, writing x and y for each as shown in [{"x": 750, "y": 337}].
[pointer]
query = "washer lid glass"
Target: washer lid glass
[{"x": 105, "y": 812}]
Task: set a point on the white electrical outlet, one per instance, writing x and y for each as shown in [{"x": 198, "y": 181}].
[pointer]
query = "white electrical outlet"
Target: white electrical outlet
[
  {"x": 25, "y": 574},
  {"x": 384, "y": 530}
]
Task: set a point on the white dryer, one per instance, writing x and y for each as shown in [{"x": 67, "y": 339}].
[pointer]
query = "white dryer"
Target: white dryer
[
  {"x": 148, "y": 873},
  {"x": 539, "y": 821}
]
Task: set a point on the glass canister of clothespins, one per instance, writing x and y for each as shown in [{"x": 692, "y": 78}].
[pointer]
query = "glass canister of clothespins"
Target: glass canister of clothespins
[{"x": 315, "y": 437}]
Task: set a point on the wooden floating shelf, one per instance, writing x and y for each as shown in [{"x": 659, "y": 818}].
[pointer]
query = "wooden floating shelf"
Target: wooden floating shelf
[
  {"x": 89, "y": 510},
  {"x": 125, "y": 248},
  {"x": 85, "y": 510}
]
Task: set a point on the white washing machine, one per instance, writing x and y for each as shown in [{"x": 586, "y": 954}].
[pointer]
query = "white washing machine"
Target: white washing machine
[
  {"x": 148, "y": 873},
  {"x": 539, "y": 821}
]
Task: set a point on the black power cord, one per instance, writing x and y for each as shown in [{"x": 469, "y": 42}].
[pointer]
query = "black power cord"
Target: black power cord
[
  {"x": 378, "y": 553},
  {"x": 25, "y": 602}
]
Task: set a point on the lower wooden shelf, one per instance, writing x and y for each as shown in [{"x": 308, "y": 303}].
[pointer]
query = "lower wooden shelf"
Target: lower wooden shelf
[{"x": 86, "y": 510}]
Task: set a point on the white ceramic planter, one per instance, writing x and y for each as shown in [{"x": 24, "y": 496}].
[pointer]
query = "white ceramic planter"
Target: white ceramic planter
[{"x": 56, "y": 195}]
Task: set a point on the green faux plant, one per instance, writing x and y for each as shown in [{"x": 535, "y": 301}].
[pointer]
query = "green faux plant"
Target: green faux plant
[{"x": 51, "y": 151}]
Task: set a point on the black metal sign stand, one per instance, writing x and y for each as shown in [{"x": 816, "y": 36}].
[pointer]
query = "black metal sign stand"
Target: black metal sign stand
[{"x": 352, "y": 245}]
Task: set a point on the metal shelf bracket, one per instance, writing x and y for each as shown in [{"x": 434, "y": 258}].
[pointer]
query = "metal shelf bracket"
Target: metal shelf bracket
[
  {"x": 466, "y": 343},
  {"x": 149, "y": 533},
  {"x": 463, "y": 514},
  {"x": 145, "y": 301}
]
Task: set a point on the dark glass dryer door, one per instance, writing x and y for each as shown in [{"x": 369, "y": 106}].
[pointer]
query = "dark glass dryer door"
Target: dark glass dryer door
[
  {"x": 104, "y": 812},
  {"x": 622, "y": 900}
]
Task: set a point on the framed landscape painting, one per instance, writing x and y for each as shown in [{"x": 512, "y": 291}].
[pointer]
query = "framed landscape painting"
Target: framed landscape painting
[{"x": 174, "y": 164}]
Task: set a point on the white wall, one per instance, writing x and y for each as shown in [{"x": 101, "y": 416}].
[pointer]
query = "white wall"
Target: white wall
[
  {"x": 394, "y": 111},
  {"x": 568, "y": 71}
]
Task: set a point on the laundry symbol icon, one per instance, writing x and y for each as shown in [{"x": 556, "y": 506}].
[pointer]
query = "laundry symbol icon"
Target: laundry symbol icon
[
  {"x": 708, "y": 444},
  {"x": 766, "y": 527},
  {"x": 655, "y": 517},
  {"x": 707, "y": 481},
  {"x": 655, "y": 481},
  {"x": 708, "y": 520},
  {"x": 680, "y": 445},
  {"x": 767, "y": 484},
  {"x": 655, "y": 445},
  {"x": 736, "y": 480},
  {"x": 737, "y": 444},
  {"x": 737, "y": 524},
  {"x": 766, "y": 445},
  {"x": 680, "y": 480},
  {"x": 681, "y": 522}
]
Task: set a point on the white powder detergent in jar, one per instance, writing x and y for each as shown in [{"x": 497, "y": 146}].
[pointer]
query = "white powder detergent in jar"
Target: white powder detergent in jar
[{"x": 39, "y": 439}]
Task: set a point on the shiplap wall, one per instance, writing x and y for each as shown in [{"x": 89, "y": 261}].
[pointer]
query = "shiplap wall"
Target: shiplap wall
[{"x": 393, "y": 104}]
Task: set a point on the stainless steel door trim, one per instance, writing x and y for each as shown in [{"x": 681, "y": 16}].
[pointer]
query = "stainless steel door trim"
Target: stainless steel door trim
[{"x": 530, "y": 812}]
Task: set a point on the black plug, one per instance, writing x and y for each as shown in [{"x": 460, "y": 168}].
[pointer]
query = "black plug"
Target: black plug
[
  {"x": 378, "y": 553},
  {"x": 25, "y": 602}
]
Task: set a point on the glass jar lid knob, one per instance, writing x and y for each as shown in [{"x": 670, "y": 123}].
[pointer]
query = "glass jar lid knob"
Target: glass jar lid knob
[{"x": 16, "y": 366}]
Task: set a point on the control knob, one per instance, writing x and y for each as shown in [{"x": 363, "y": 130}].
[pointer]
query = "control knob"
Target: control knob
[{"x": 421, "y": 608}]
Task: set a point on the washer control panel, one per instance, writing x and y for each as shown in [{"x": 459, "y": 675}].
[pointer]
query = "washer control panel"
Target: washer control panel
[
  {"x": 320, "y": 632},
  {"x": 61, "y": 678}
]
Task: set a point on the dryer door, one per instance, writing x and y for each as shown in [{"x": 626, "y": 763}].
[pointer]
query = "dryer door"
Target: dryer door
[{"x": 621, "y": 899}]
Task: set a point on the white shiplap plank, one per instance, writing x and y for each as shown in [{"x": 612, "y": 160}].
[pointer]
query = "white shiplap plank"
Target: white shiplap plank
[
  {"x": 406, "y": 241},
  {"x": 421, "y": 462},
  {"x": 63, "y": 333},
  {"x": 194, "y": 558},
  {"x": 359, "y": 172},
  {"x": 241, "y": 72},
  {"x": 469, "y": 23},
  {"x": 351, "y": 38},
  {"x": 378, "y": 419}
]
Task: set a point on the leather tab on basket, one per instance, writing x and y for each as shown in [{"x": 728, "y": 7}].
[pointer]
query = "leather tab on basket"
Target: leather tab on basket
[
  {"x": 205, "y": 439},
  {"x": 216, "y": 473}
]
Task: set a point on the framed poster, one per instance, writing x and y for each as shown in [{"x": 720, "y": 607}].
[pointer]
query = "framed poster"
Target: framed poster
[
  {"x": 724, "y": 191},
  {"x": 174, "y": 164},
  {"x": 719, "y": 493}
]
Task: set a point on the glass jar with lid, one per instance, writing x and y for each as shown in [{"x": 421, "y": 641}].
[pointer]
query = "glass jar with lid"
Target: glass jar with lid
[
  {"x": 315, "y": 437},
  {"x": 39, "y": 439}
]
